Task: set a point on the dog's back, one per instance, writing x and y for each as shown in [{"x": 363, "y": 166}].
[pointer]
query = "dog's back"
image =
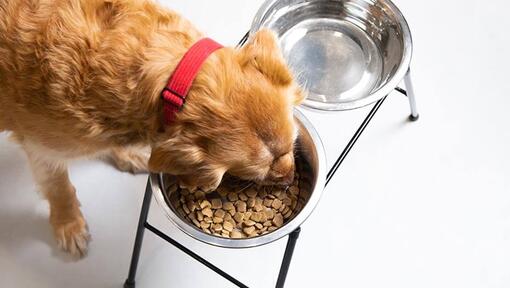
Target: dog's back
[
  {"x": 66, "y": 67},
  {"x": 36, "y": 60}
]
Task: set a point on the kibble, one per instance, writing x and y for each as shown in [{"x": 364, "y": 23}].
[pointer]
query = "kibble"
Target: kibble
[
  {"x": 236, "y": 234},
  {"x": 232, "y": 211},
  {"x": 241, "y": 206},
  {"x": 228, "y": 226},
  {"x": 216, "y": 203},
  {"x": 228, "y": 206},
  {"x": 278, "y": 220},
  {"x": 217, "y": 227},
  {"x": 243, "y": 196},
  {"x": 220, "y": 213},
  {"x": 239, "y": 217},
  {"x": 251, "y": 202},
  {"x": 277, "y": 203},
  {"x": 252, "y": 193},
  {"x": 207, "y": 212},
  {"x": 205, "y": 204},
  {"x": 249, "y": 230},
  {"x": 232, "y": 196}
]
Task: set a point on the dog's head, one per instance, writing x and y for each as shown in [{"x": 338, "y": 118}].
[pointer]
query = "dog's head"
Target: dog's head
[{"x": 239, "y": 119}]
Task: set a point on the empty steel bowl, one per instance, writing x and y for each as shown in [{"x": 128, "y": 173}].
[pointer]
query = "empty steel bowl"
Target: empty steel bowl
[
  {"x": 312, "y": 167},
  {"x": 346, "y": 53}
]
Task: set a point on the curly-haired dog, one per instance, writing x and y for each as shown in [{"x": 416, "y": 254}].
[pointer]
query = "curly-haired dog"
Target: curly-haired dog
[{"x": 83, "y": 78}]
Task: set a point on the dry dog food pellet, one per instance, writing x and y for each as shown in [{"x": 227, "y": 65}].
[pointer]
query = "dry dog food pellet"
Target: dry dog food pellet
[
  {"x": 205, "y": 204},
  {"x": 249, "y": 230},
  {"x": 278, "y": 220},
  {"x": 228, "y": 226},
  {"x": 255, "y": 217},
  {"x": 232, "y": 196},
  {"x": 251, "y": 202},
  {"x": 192, "y": 206},
  {"x": 219, "y": 213},
  {"x": 249, "y": 223},
  {"x": 228, "y": 206},
  {"x": 243, "y": 196},
  {"x": 241, "y": 206},
  {"x": 239, "y": 217},
  {"x": 252, "y": 193},
  {"x": 258, "y": 207},
  {"x": 239, "y": 209},
  {"x": 277, "y": 204},
  {"x": 200, "y": 216},
  {"x": 236, "y": 234},
  {"x": 216, "y": 203},
  {"x": 207, "y": 212},
  {"x": 217, "y": 227},
  {"x": 269, "y": 213}
]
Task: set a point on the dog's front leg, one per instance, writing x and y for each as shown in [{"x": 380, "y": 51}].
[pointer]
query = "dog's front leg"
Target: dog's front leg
[{"x": 69, "y": 226}]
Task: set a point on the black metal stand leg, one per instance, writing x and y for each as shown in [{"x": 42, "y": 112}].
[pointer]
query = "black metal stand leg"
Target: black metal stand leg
[
  {"x": 353, "y": 140},
  {"x": 287, "y": 257},
  {"x": 130, "y": 281},
  {"x": 194, "y": 255},
  {"x": 410, "y": 94}
]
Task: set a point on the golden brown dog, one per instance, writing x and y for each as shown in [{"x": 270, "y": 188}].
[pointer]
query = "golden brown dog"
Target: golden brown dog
[{"x": 83, "y": 78}]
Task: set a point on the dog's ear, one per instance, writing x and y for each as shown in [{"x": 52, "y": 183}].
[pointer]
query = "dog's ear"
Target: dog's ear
[
  {"x": 187, "y": 161},
  {"x": 263, "y": 53},
  {"x": 175, "y": 157}
]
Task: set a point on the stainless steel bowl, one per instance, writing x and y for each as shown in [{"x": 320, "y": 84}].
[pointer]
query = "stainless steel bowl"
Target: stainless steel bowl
[
  {"x": 346, "y": 53},
  {"x": 311, "y": 157}
]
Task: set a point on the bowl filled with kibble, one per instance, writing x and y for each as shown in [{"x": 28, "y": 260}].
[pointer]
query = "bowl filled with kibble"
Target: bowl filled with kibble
[{"x": 241, "y": 214}]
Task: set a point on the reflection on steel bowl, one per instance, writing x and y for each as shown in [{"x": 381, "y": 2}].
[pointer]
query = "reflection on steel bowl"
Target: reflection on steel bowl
[{"x": 346, "y": 53}]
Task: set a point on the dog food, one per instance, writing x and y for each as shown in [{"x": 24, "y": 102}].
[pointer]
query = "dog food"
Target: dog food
[{"x": 239, "y": 209}]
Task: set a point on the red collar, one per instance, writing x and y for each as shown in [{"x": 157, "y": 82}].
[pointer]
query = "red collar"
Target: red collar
[{"x": 180, "y": 81}]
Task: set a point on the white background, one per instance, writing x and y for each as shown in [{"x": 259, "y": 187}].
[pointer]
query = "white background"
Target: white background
[{"x": 423, "y": 204}]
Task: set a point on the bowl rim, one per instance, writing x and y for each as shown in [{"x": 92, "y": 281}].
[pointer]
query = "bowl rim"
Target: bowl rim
[
  {"x": 189, "y": 229},
  {"x": 382, "y": 91}
]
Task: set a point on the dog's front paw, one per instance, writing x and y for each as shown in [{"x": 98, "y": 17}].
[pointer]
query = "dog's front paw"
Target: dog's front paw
[{"x": 72, "y": 236}]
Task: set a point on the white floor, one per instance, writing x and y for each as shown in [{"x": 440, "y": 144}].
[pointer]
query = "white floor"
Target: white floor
[{"x": 423, "y": 204}]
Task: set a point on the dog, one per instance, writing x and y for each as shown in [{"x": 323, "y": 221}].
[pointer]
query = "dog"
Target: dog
[{"x": 82, "y": 78}]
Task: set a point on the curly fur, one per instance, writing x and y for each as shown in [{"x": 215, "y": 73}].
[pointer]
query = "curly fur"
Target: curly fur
[{"x": 83, "y": 77}]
